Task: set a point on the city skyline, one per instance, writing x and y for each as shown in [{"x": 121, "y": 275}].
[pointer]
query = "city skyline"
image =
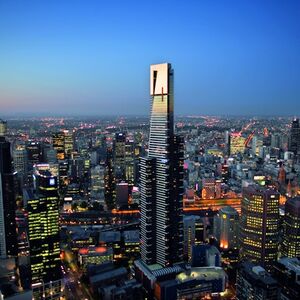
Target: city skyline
[
  {"x": 74, "y": 59},
  {"x": 113, "y": 208}
]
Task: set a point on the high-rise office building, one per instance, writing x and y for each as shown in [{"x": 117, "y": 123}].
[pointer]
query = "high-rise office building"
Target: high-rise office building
[
  {"x": 162, "y": 176},
  {"x": 58, "y": 141},
  {"x": 122, "y": 195},
  {"x": 119, "y": 156},
  {"x": 291, "y": 236},
  {"x": 34, "y": 152},
  {"x": 20, "y": 161},
  {"x": 294, "y": 141},
  {"x": 68, "y": 142},
  {"x": 129, "y": 162},
  {"x": 8, "y": 235},
  {"x": 63, "y": 171},
  {"x": 259, "y": 225},
  {"x": 227, "y": 143},
  {"x": 43, "y": 229},
  {"x": 49, "y": 154},
  {"x": 276, "y": 140},
  {"x": 237, "y": 143},
  {"x": 97, "y": 181},
  {"x": 226, "y": 225},
  {"x": 193, "y": 234},
  {"x": 109, "y": 180},
  {"x": 3, "y": 128},
  {"x": 257, "y": 143}
]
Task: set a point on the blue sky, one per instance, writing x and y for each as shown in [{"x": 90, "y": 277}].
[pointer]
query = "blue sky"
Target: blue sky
[{"x": 93, "y": 57}]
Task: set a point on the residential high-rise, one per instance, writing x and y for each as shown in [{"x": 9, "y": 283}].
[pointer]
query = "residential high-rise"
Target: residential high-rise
[
  {"x": 43, "y": 229},
  {"x": 8, "y": 235},
  {"x": 259, "y": 225},
  {"x": 294, "y": 141},
  {"x": 162, "y": 176},
  {"x": 291, "y": 236}
]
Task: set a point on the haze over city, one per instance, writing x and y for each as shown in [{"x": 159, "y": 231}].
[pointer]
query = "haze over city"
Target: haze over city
[{"x": 78, "y": 58}]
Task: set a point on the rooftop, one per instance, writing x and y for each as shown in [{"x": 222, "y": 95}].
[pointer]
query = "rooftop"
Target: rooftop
[{"x": 203, "y": 273}]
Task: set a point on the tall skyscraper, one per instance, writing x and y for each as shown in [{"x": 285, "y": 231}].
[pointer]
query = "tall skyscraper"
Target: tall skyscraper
[
  {"x": 294, "y": 142},
  {"x": 43, "y": 230},
  {"x": 259, "y": 225},
  {"x": 162, "y": 176},
  {"x": 291, "y": 237},
  {"x": 8, "y": 235}
]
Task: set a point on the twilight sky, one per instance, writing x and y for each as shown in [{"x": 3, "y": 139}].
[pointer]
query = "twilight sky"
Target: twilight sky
[{"x": 92, "y": 57}]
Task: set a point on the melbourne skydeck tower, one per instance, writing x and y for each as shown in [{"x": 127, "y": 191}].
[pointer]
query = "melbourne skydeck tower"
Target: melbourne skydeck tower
[{"x": 162, "y": 176}]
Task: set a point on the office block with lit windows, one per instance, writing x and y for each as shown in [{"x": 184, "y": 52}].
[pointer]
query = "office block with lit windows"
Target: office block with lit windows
[
  {"x": 291, "y": 236},
  {"x": 259, "y": 225},
  {"x": 194, "y": 233},
  {"x": 58, "y": 141},
  {"x": 43, "y": 229}
]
